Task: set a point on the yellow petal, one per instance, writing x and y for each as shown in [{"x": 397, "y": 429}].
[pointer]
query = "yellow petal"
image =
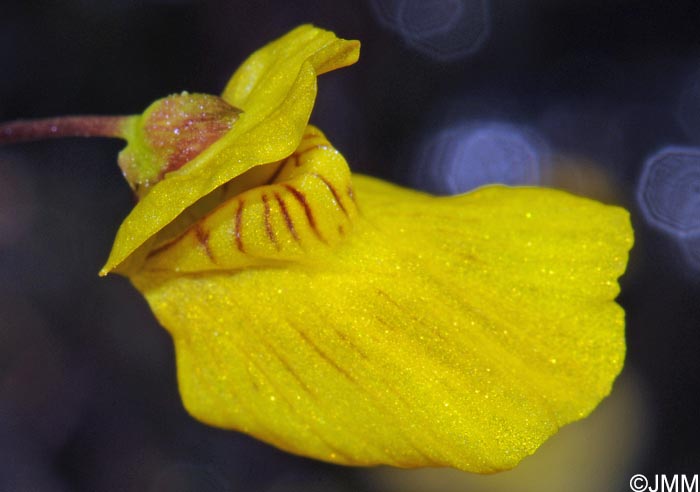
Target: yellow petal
[
  {"x": 276, "y": 89},
  {"x": 456, "y": 331},
  {"x": 262, "y": 82}
]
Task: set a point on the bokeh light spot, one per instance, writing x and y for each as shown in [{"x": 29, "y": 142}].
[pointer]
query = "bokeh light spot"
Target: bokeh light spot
[
  {"x": 444, "y": 30},
  {"x": 669, "y": 190},
  {"x": 430, "y": 17},
  {"x": 460, "y": 158}
]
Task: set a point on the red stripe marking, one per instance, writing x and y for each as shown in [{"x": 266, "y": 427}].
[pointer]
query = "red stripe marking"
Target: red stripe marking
[
  {"x": 288, "y": 368},
  {"x": 299, "y": 196},
  {"x": 277, "y": 171},
  {"x": 309, "y": 136},
  {"x": 325, "y": 357},
  {"x": 224, "y": 188},
  {"x": 306, "y": 151},
  {"x": 268, "y": 225},
  {"x": 203, "y": 239},
  {"x": 352, "y": 344},
  {"x": 332, "y": 190},
  {"x": 287, "y": 218},
  {"x": 351, "y": 194},
  {"x": 165, "y": 246},
  {"x": 239, "y": 226}
]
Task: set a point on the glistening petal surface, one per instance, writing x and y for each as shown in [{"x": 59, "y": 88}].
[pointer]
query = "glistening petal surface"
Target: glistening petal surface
[
  {"x": 276, "y": 89},
  {"x": 457, "y": 331}
]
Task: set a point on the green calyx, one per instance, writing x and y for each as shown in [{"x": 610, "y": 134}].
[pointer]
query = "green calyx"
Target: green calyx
[{"x": 170, "y": 133}]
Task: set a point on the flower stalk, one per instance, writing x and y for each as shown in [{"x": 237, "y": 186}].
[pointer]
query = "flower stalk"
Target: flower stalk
[{"x": 61, "y": 127}]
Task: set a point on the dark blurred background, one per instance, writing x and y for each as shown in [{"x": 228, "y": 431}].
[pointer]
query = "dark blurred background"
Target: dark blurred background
[{"x": 601, "y": 98}]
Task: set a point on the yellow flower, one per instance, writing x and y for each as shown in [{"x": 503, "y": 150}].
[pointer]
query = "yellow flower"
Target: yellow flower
[{"x": 343, "y": 318}]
